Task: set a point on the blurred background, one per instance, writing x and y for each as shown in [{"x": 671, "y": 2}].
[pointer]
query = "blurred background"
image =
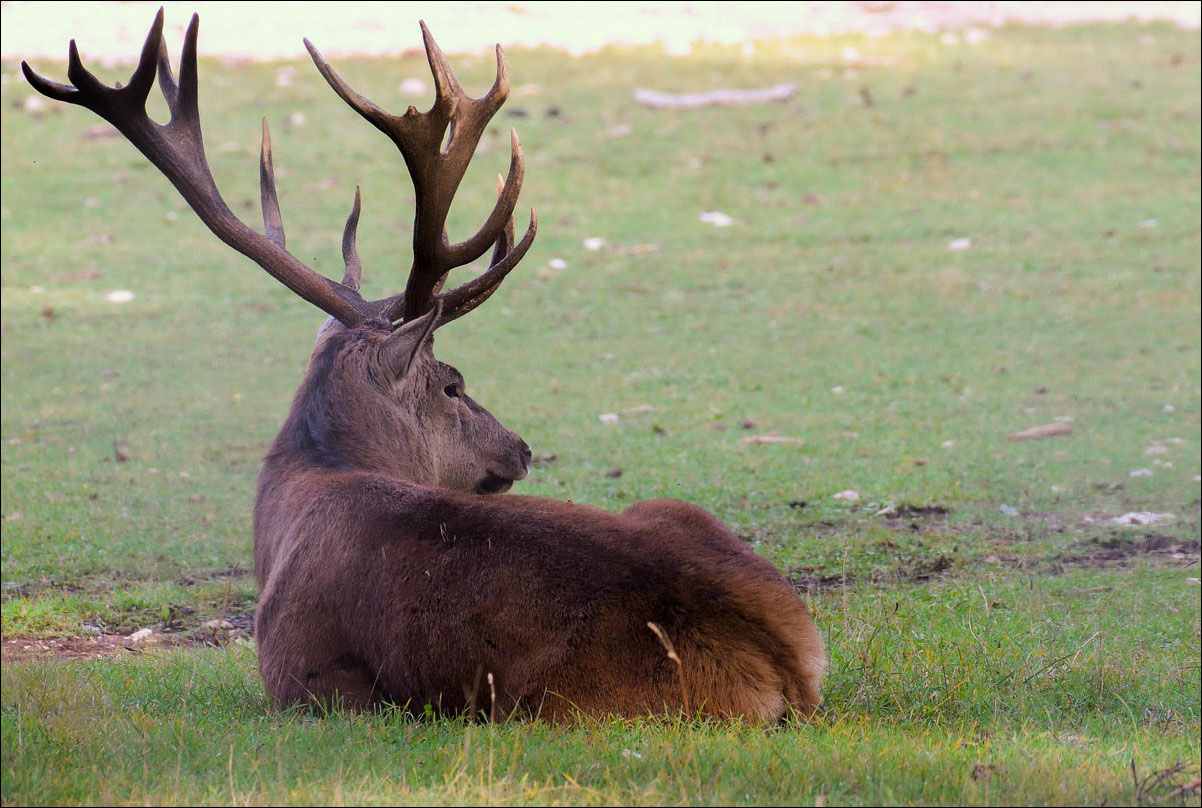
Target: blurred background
[{"x": 112, "y": 32}]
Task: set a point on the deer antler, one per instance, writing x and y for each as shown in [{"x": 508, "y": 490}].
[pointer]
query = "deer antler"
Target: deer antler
[
  {"x": 436, "y": 172},
  {"x": 177, "y": 150}
]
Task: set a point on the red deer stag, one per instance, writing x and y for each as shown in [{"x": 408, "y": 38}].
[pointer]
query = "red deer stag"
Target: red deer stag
[{"x": 385, "y": 573}]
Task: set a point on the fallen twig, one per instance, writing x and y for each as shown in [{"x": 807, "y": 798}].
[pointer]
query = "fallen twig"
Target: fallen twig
[
  {"x": 1045, "y": 431},
  {"x": 714, "y": 98}
]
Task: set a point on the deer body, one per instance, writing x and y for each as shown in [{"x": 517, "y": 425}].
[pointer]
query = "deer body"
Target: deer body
[
  {"x": 380, "y": 583},
  {"x": 387, "y": 591},
  {"x": 386, "y": 572}
]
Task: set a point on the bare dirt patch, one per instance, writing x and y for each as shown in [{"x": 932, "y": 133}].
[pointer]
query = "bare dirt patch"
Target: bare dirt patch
[
  {"x": 811, "y": 579},
  {"x": 23, "y": 649},
  {"x": 1117, "y": 550},
  {"x": 231, "y": 628}
]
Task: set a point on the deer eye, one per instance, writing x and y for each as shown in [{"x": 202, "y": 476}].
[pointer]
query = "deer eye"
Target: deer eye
[{"x": 451, "y": 390}]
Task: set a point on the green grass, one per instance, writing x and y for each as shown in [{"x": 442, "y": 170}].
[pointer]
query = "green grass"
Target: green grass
[{"x": 976, "y": 657}]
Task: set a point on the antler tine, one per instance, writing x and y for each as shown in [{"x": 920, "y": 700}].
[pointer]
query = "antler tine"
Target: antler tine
[
  {"x": 505, "y": 242},
  {"x": 350, "y": 253},
  {"x": 471, "y": 294},
  {"x": 177, "y": 150},
  {"x": 167, "y": 85},
  {"x": 273, "y": 222},
  {"x": 446, "y": 86},
  {"x": 472, "y": 248},
  {"x": 380, "y": 118}
]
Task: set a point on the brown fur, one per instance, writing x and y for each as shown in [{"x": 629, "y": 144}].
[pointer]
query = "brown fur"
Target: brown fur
[{"x": 383, "y": 578}]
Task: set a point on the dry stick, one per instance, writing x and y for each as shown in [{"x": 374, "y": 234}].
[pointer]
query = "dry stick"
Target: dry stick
[
  {"x": 1193, "y": 785},
  {"x": 672, "y": 655},
  {"x": 492, "y": 689},
  {"x": 492, "y": 720}
]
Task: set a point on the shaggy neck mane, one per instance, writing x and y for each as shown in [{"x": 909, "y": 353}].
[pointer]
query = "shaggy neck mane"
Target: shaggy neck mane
[
  {"x": 339, "y": 427},
  {"x": 312, "y": 433}
]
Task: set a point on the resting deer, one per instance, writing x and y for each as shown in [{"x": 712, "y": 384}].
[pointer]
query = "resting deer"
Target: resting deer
[{"x": 386, "y": 571}]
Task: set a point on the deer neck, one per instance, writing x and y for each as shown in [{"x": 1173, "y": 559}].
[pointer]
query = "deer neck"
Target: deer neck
[{"x": 333, "y": 426}]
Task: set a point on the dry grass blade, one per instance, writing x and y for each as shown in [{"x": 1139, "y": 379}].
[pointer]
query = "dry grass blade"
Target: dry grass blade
[{"x": 662, "y": 636}]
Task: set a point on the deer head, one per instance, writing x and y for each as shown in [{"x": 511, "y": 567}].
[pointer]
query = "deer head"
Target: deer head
[{"x": 374, "y": 396}]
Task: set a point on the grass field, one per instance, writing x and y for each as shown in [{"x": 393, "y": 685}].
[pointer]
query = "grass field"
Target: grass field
[{"x": 995, "y": 636}]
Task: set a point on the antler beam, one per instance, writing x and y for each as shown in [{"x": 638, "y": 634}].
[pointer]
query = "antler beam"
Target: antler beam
[{"x": 177, "y": 150}]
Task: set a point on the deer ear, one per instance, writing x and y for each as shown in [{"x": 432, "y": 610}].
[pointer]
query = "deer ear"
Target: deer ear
[
  {"x": 331, "y": 325},
  {"x": 404, "y": 344}
]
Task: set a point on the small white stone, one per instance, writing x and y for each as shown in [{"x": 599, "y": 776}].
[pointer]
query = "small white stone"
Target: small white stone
[
  {"x": 948, "y": 444},
  {"x": 1142, "y": 518},
  {"x": 838, "y": 391},
  {"x": 959, "y": 244},
  {"x": 594, "y": 243},
  {"x": 120, "y": 296},
  {"x": 37, "y": 290},
  {"x": 1009, "y": 510},
  {"x": 557, "y": 263},
  {"x": 142, "y": 635},
  {"x": 716, "y": 217},
  {"x": 413, "y": 87},
  {"x": 608, "y": 418},
  {"x": 849, "y": 495},
  {"x": 1141, "y": 473}
]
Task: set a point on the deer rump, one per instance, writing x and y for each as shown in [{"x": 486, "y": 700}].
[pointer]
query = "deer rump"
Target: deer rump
[
  {"x": 389, "y": 592},
  {"x": 384, "y": 573}
]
